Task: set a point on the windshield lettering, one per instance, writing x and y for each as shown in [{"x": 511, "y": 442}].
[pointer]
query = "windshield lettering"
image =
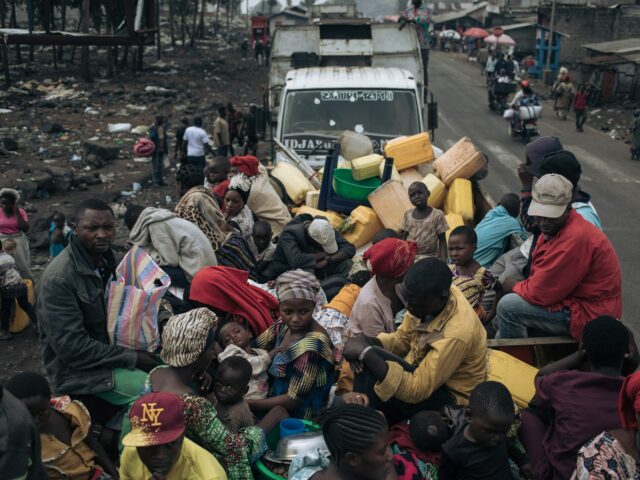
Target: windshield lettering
[{"x": 356, "y": 95}]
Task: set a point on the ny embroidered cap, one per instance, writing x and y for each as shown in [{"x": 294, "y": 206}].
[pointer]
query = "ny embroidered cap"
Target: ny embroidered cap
[
  {"x": 551, "y": 196},
  {"x": 156, "y": 419},
  {"x": 322, "y": 232}
]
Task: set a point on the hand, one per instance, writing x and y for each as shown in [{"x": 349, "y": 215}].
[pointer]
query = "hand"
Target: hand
[
  {"x": 146, "y": 361},
  {"x": 354, "y": 347},
  {"x": 205, "y": 380},
  {"x": 321, "y": 256},
  {"x": 322, "y": 264},
  {"x": 355, "y": 398},
  {"x": 525, "y": 177}
]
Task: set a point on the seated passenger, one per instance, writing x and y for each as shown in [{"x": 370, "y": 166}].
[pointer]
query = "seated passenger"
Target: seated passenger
[
  {"x": 265, "y": 248},
  {"x": 572, "y": 255},
  {"x": 301, "y": 373},
  {"x": 440, "y": 339},
  {"x": 69, "y": 449},
  {"x": 156, "y": 447},
  {"x": 236, "y": 209},
  {"x": 572, "y": 406}
]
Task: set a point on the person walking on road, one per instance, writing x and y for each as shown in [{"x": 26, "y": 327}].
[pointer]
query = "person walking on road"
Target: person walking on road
[
  {"x": 221, "y": 133},
  {"x": 196, "y": 144},
  {"x": 564, "y": 94},
  {"x": 580, "y": 108},
  {"x": 158, "y": 135},
  {"x": 259, "y": 51},
  {"x": 250, "y": 131}
]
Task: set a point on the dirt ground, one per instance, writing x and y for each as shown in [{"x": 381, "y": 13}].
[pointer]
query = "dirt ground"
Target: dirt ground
[{"x": 55, "y": 171}]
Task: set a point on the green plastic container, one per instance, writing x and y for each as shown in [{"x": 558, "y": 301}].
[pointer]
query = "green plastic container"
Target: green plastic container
[
  {"x": 260, "y": 470},
  {"x": 346, "y": 187}
]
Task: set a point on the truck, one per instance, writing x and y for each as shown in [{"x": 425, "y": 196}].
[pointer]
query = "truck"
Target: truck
[{"x": 345, "y": 74}]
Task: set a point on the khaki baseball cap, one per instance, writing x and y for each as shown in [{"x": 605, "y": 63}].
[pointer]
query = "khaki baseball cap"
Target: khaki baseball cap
[{"x": 551, "y": 196}]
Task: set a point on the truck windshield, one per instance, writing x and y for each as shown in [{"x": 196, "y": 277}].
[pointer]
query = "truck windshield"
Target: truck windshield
[{"x": 380, "y": 113}]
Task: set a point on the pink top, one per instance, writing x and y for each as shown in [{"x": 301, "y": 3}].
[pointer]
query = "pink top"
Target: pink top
[{"x": 9, "y": 225}]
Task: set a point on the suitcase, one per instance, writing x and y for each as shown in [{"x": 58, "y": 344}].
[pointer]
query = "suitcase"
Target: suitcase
[
  {"x": 334, "y": 219},
  {"x": 20, "y": 319},
  {"x": 437, "y": 190},
  {"x": 462, "y": 160},
  {"x": 453, "y": 220},
  {"x": 390, "y": 201},
  {"x": 294, "y": 181},
  {"x": 410, "y": 151},
  {"x": 366, "y": 167},
  {"x": 459, "y": 200},
  {"x": 365, "y": 225}
]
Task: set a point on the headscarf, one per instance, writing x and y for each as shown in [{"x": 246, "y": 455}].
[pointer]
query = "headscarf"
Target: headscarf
[
  {"x": 297, "y": 284},
  {"x": 10, "y": 192},
  {"x": 391, "y": 257},
  {"x": 226, "y": 289},
  {"x": 629, "y": 401},
  {"x": 184, "y": 336},
  {"x": 247, "y": 164},
  {"x": 240, "y": 183},
  {"x": 201, "y": 208}
]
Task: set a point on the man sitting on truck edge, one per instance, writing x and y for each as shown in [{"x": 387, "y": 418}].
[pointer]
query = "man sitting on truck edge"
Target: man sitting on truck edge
[
  {"x": 575, "y": 272},
  {"x": 420, "y": 16}
]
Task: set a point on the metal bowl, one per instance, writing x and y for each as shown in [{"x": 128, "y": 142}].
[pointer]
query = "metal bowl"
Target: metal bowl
[{"x": 293, "y": 446}]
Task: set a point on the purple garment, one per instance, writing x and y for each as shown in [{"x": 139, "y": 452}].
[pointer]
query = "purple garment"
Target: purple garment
[{"x": 584, "y": 404}]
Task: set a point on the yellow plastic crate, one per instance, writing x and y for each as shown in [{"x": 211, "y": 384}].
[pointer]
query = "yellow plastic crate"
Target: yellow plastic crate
[
  {"x": 514, "y": 374},
  {"x": 365, "y": 225},
  {"x": 334, "y": 219},
  {"x": 366, "y": 167},
  {"x": 20, "y": 319},
  {"x": 453, "y": 220},
  {"x": 437, "y": 190},
  {"x": 410, "y": 151}
]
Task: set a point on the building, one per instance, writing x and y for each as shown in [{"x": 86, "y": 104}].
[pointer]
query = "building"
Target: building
[
  {"x": 473, "y": 16},
  {"x": 288, "y": 16},
  {"x": 613, "y": 68}
]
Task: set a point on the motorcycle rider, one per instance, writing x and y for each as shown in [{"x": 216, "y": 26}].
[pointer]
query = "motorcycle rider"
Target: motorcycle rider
[{"x": 524, "y": 98}]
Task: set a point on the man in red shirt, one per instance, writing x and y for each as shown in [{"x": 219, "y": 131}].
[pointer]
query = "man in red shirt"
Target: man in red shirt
[
  {"x": 580, "y": 107},
  {"x": 575, "y": 272}
]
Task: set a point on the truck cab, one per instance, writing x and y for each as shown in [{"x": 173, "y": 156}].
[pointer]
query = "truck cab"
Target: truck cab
[{"x": 319, "y": 103}]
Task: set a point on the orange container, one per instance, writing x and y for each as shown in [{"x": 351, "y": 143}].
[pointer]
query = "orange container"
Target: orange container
[
  {"x": 334, "y": 219},
  {"x": 410, "y": 151},
  {"x": 365, "y": 225},
  {"x": 463, "y": 160},
  {"x": 390, "y": 201},
  {"x": 20, "y": 319}
]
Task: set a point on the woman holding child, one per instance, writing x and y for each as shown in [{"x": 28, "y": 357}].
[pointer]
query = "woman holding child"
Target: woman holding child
[{"x": 301, "y": 373}]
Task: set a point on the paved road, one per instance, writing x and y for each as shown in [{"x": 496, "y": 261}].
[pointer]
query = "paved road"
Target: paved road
[{"x": 612, "y": 179}]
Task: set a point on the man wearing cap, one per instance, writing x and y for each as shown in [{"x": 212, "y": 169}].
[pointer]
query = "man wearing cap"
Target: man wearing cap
[
  {"x": 156, "y": 449},
  {"x": 575, "y": 272},
  {"x": 313, "y": 246}
]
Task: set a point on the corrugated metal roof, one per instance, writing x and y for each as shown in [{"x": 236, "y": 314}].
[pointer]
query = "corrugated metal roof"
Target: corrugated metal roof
[
  {"x": 449, "y": 16},
  {"x": 343, "y": 77},
  {"x": 618, "y": 47},
  {"x": 517, "y": 26},
  {"x": 604, "y": 60}
]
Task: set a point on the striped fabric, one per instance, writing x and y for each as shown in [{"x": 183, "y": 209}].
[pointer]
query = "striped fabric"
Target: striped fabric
[
  {"x": 473, "y": 286},
  {"x": 134, "y": 300},
  {"x": 304, "y": 371}
]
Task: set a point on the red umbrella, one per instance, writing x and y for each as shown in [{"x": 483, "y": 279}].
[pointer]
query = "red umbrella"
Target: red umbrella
[
  {"x": 476, "y": 33},
  {"x": 503, "y": 39}
]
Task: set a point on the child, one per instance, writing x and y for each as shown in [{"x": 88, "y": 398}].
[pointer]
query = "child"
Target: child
[
  {"x": 156, "y": 447},
  {"x": 236, "y": 210},
  {"x": 59, "y": 234},
  {"x": 68, "y": 449},
  {"x": 429, "y": 431},
  {"x": 469, "y": 276},
  {"x": 302, "y": 371},
  {"x": 236, "y": 338},
  {"x": 230, "y": 386},
  {"x": 481, "y": 450},
  {"x": 216, "y": 177},
  {"x": 12, "y": 289},
  {"x": 425, "y": 225},
  {"x": 265, "y": 248},
  {"x": 496, "y": 228}
]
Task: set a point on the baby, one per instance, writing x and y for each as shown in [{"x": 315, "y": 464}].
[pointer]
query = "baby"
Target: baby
[
  {"x": 425, "y": 225},
  {"x": 230, "y": 386},
  {"x": 429, "y": 431},
  {"x": 480, "y": 450},
  {"x": 236, "y": 341}
]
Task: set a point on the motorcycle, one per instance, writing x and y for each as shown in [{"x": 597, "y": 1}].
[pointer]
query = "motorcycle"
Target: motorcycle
[
  {"x": 499, "y": 94},
  {"x": 523, "y": 123}
]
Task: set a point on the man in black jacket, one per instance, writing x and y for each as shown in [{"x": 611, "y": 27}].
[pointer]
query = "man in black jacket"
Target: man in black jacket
[{"x": 311, "y": 245}]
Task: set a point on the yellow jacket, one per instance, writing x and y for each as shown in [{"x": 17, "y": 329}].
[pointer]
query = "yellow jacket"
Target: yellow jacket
[{"x": 449, "y": 350}]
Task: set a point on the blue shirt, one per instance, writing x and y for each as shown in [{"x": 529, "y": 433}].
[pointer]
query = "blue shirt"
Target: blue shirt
[
  {"x": 493, "y": 235},
  {"x": 56, "y": 248}
]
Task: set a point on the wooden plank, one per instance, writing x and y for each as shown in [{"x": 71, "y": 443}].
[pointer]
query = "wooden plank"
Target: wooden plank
[{"x": 532, "y": 341}]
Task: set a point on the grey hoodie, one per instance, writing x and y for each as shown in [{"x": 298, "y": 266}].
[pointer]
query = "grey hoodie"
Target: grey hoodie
[{"x": 172, "y": 241}]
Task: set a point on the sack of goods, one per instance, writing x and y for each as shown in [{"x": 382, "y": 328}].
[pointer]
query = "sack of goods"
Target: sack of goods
[
  {"x": 143, "y": 148},
  {"x": 527, "y": 113}
]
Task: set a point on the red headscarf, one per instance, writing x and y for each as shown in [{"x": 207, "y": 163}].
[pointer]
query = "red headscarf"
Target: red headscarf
[
  {"x": 226, "y": 289},
  {"x": 391, "y": 257},
  {"x": 629, "y": 401},
  {"x": 247, "y": 165}
]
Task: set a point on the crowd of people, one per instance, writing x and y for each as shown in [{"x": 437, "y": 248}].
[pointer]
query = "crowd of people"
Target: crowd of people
[{"x": 270, "y": 317}]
